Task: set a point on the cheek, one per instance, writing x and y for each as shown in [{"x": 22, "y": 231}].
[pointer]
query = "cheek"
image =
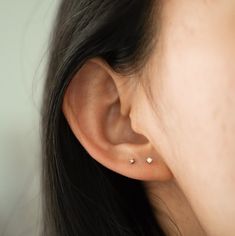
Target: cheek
[{"x": 198, "y": 97}]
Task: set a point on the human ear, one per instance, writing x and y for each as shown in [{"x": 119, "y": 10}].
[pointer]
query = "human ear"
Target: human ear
[{"x": 97, "y": 105}]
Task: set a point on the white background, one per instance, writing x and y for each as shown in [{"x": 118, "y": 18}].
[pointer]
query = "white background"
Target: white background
[{"x": 24, "y": 31}]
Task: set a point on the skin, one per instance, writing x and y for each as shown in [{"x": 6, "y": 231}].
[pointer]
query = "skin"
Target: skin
[{"x": 189, "y": 133}]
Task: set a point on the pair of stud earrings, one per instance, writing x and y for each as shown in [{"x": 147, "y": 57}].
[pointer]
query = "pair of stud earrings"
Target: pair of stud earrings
[{"x": 148, "y": 160}]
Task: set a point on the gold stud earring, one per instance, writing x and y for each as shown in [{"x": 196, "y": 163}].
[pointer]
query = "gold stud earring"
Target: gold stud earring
[
  {"x": 132, "y": 161},
  {"x": 149, "y": 160}
]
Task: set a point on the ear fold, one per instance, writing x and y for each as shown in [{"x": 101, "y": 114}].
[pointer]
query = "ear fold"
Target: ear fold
[{"x": 97, "y": 105}]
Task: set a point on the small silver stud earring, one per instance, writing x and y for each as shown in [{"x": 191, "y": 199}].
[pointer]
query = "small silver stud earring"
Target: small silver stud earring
[
  {"x": 132, "y": 161},
  {"x": 149, "y": 160}
]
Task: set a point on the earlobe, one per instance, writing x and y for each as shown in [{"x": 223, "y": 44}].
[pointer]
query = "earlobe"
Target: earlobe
[{"x": 96, "y": 106}]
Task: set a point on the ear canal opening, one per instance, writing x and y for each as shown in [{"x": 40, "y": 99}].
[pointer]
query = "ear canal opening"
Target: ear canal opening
[{"x": 123, "y": 126}]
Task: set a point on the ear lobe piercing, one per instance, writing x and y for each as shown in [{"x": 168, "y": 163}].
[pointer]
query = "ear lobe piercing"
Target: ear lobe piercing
[
  {"x": 132, "y": 161},
  {"x": 149, "y": 160}
]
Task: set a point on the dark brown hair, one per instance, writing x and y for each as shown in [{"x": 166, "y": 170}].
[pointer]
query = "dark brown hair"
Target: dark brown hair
[{"x": 80, "y": 196}]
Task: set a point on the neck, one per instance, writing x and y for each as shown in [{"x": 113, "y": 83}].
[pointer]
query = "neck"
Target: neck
[{"x": 173, "y": 210}]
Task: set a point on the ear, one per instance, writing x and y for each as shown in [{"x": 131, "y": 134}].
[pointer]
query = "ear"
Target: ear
[{"x": 97, "y": 105}]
